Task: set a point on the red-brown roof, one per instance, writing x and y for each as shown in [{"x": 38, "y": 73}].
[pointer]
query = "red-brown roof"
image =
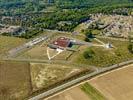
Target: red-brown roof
[{"x": 62, "y": 42}]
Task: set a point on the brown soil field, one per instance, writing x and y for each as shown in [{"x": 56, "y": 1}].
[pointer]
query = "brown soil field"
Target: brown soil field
[
  {"x": 15, "y": 81},
  {"x": 73, "y": 94},
  {"x": 116, "y": 85}
]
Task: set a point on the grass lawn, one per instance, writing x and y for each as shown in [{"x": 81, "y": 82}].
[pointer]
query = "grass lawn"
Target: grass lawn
[
  {"x": 105, "y": 57},
  {"x": 92, "y": 92},
  {"x": 75, "y": 46},
  {"x": 96, "y": 32}
]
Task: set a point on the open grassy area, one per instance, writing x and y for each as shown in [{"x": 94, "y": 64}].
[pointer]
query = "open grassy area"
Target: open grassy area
[
  {"x": 92, "y": 92},
  {"x": 105, "y": 57},
  {"x": 44, "y": 75},
  {"x": 40, "y": 52},
  {"x": 15, "y": 83},
  {"x": 7, "y": 43},
  {"x": 96, "y": 32}
]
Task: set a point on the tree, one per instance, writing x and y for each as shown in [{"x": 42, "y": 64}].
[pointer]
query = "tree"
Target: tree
[
  {"x": 88, "y": 53},
  {"x": 130, "y": 48},
  {"x": 88, "y": 34}
]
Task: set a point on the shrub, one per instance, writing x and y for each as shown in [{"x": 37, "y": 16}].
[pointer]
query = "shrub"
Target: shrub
[
  {"x": 88, "y": 53},
  {"x": 130, "y": 48}
]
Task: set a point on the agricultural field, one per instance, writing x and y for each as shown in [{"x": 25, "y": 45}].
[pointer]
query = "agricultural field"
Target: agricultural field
[
  {"x": 93, "y": 93},
  {"x": 15, "y": 83},
  {"x": 44, "y": 75},
  {"x": 103, "y": 57},
  {"x": 7, "y": 43},
  {"x": 84, "y": 91},
  {"x": 115, "y": 85},
  {"x": 72, "y": 94}
]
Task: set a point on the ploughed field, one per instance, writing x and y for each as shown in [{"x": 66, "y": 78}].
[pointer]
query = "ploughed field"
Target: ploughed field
[{"x": 15, "y": 81}]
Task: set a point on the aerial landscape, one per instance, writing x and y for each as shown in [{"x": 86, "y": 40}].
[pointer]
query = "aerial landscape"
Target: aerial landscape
[{"x": 66, "y": 49}]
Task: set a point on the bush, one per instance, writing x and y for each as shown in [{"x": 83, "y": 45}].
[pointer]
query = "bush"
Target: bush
[
  {"x": 88, "y": 53},
  {"x": 88, "y": 33},
  {"x": 130, "y": 48}
]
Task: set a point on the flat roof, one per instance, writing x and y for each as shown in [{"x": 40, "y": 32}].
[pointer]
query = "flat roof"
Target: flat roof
[{"x": 62, "y": 42}]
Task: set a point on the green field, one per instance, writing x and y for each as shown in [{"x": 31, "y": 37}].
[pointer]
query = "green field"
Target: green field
[
  {"x": 105, "y": 57},
  {"x": 75, "y": 47},
  {"x": 92, "y": 92}
]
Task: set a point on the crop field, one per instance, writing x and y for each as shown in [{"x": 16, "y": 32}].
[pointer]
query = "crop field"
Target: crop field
[
  {"x": 106, "y": 57},
  {"x": 15, "y": 83},
  {"x": 93, "y": 93},
  {"x": 72, "y": 94},
  {"x": 7, "y": 43},
  {"x": 44, "y": 75},
  {"x": 115, "y": 85}
]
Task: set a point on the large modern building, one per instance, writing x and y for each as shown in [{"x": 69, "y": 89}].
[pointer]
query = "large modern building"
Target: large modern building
[{"x": 61, "y": 42}]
